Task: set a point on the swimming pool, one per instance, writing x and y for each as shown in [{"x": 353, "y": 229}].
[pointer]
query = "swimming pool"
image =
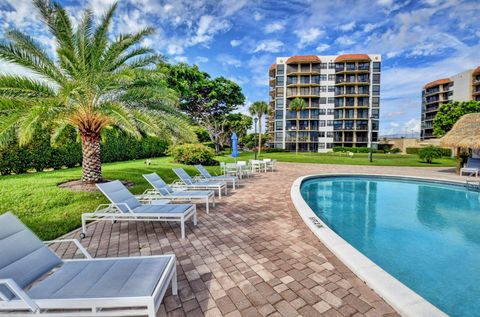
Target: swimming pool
[{"x": 425, "y": 234}]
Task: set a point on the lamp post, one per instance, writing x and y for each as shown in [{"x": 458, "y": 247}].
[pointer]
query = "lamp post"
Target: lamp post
[
  {"x": 370, "y": 139},
  {"x": 256, "y": 136}
]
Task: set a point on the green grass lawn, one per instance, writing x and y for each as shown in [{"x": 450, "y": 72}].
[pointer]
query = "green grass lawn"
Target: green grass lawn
[
  {"x": 342, "y": 158},
  {"x": 51, "y": 211}
]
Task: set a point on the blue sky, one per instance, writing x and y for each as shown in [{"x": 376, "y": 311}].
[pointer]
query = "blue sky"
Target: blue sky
[{"x": 419, "y": 40}]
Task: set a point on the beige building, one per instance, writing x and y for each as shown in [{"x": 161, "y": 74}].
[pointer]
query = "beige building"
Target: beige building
[
  {"x": 342, "y": 94},
  {"x": 463, "y": 86}
]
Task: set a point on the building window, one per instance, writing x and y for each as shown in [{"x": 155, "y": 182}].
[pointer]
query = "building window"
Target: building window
[
  {"x": 321, "y": 145},
  {"x": 314, "y": 114},
  {"x": 331, "y": 77},
  {"x": 331, "y": 88},
  {"x": 315, "y": 79},
  {"x": 331, "y": 65},
  {"x": 279, "y": 114},
  {"x": 279, "y": 136},
  {"x": 329, "y": 123},
  {"x": 323, "y": 100},
  {"x": 329, "y": 145},
  {"x": 321, "y": 112},
  {"x": 376, "y": 79},
  {"x": 376, "y": 67},
  {"x": 280, "y": 92},
  {"x": 323, "y": 88},
  {"x": 304, "y": 91},
  {"x": 278, "y": 125},
  {"x": 330, "y": 100},
  {"x": 321, "y": 123},
  {"x": 280, "y": 69},
  {"x": 305, "y": 68},
  {"x": 316, "y": 91},
  {"x": 323, "y": 65},
  {"x": 280, "y": 80},
  {"x": 292, "y": 80},
  {"x": 314, "y": 103},
  {"x": 375, "y": 113},
  {"x": 330, "y": 134},
  {"x": 323, "y": 77},
  {"x": 376, "y": 102},
  {"x": 376, "y": 90},
  {"x": 330, "y": 112},
  {"x": 304, "y": 79},
  {"x": 321, "y": 134}
]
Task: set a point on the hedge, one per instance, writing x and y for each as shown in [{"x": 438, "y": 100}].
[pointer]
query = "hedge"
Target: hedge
[
  {"x": 415, "y": 150},
  {"x": 192, "y": 154},
  {"x": 355, "y": 149},
  {"x": 40, "y": 155}
]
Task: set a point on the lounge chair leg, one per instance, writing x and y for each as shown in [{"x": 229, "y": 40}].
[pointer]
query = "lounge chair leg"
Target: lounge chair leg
[
  {"x": 233, "y": 184},
  {"x": 182, "y": 226},
  {"x": 84, "y": 226},
  {"x": 226, "y": 188},
  {"x": 174, "y": 282},
  {"x": 151, "y": 310},
  {"x": 207, "y": 205},
  {"x": 213, "y": 200},
  {"x": 219, "y": 192},
  {"x": 195, "y": 215}
]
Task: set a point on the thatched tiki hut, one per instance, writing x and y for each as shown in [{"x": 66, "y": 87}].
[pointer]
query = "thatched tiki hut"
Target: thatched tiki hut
[{"x": 464, "y": 136}]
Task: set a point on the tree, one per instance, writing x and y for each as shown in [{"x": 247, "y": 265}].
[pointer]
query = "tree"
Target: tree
[
  {"x": 259, "y": 108},
  {"x": 208, "y": 101},
  {"x": 297, "y": 105},
  {"x": 449, "y": 113},
  {"x": 235, "y": 122},
  {"x": 429, "y": 153},
  {"x": 92, "y": 83}
]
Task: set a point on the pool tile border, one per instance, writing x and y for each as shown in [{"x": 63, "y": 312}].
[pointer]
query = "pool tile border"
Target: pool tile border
[{"x": 399, "y": 296}]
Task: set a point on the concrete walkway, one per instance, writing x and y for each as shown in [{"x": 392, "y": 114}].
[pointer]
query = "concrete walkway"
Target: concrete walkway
[{"x": 252, "y": 255}]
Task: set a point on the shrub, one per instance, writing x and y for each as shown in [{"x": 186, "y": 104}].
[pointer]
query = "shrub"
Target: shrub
[
  {"x": 429, "y": 153},
  {"x": 274, "y": 150},
  {"x": 395, "y": 150},
  {"x": 192, "y": 154},
  {"x": 415, "y": 150},
  {"x": 355, "y": 149}
]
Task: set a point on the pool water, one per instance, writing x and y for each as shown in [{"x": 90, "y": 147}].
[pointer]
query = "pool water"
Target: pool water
[{"x": 425, "y": 234}]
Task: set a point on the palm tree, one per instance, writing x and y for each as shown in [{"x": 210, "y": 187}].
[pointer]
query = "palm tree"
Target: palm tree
[
  {"x": 259, "y": 108},
  {"x": 92, "y": 83},
  {"x": 297, "y": 104}
]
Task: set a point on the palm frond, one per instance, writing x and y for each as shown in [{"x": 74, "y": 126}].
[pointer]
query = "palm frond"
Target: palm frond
[
  {"x": 83, "y": 36},
  {"x": 19, "y": 86},
  {"x": 100, "y": 38},
  {"x": 122, "y": 117}
]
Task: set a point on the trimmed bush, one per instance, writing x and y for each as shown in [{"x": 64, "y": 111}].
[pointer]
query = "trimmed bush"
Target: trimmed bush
[
  {"x": 192, "y": 154},
  {"x": 415, "y": 150},
  {"x": 395, "y": 150},
  {"x": 429, "y": 153}
]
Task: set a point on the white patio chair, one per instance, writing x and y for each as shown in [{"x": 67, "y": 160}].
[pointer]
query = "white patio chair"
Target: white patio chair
[
  {"x": 222, "y": 178},
  {"x": 34, "y": 281},
  {"x": 187, "y": 182},
  {"x": 125, "y": 206}
]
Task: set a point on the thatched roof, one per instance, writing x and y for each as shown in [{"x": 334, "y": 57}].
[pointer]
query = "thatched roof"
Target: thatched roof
[{"x": 465, "y": 133}]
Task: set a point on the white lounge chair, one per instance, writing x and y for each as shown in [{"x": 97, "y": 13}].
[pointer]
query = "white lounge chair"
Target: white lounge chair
[
  {"x": 125, "y": 206},
  {"x": 162, "y": 190},
  {"x": 269, "y": 164},
  {"x": 188, "y": 183},
  {"x": 472, "y": 167},
  {"x": 35, "y": 281},
  {"x": 221, "y": 178}
]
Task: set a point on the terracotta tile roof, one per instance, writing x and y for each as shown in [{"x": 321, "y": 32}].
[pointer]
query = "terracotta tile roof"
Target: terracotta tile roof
[
  {"x": 476, "y": 71},
  {"x": 273, "y": 66},
  {"x": 303, "y": 59},
  {"x": 352, "y": 57},
  {"x": 437, "y": 83}
]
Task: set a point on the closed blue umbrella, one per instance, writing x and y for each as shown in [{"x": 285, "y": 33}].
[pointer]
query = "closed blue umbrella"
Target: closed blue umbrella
[{"x": 234, "y": 146}]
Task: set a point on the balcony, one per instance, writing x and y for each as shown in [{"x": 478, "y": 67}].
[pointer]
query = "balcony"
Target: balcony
[{"x": 361, "y": 139}]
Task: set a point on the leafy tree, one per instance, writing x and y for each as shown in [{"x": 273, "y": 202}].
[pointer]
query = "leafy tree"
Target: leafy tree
[
  {"x": 235, "y": 122},
  {"x": 429, "y": 153},
  {"x": 92, "y": 83},
  {"x": 259, "y": 108},
  {"x": 449, "y": 113},
  {"x": 297, "y": 105},
  {"x": 208, "y": 101}
]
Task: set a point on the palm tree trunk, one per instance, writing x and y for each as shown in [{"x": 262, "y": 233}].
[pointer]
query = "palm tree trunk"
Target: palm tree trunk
[
  {"x": 259, "y": 135},
  {"x": 296, "y": 139},
  {"x": 91, "y": 162}
]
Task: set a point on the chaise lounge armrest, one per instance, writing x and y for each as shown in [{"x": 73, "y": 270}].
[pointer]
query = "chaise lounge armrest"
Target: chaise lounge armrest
[
  {"x": 77, "y": 244},
  {"x": 13, "y": 287}
]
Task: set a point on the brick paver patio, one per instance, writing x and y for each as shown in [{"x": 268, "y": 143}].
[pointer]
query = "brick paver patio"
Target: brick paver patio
[{"x": 252, "y": 255}]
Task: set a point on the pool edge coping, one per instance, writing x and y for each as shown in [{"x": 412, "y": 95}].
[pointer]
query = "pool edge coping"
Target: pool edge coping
[{"x": 403, "y": 299}]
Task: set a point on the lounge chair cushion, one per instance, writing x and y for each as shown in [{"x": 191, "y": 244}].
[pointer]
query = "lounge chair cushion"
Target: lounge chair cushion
[
  {"x": 102, "y": 278},
  {"x": 203, "y": 171},
  {"x": 193, "y": 193},
  {"x": 117, "y": 193},
  {"x": 23, "y": 257},
  {"x": 473, "y": 163},
  {"x": 207, "y": 183},
  {"x": 225, "y": 178},
  {"x": 158, "y": 209}
]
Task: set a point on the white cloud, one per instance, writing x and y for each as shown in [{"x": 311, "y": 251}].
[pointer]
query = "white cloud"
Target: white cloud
[
  {"x": 232, "y": 6},
  {"x": 322, "y": 48},
  {"x": 228, "y": 60},
  {"x": 180, "y": 59},
  {"x": 274, "y": 27},
  {"x": 208, "y": 26},
  {"x": 308, "y": 36},
  {"x": 347, "y": 27},
  {"x": 272, "y": 46},
  {"x": 344, "y": 40},
  {"x": 201, "y": 59},
  {"x": 257, "y": 16},
  {"x": 235, "y": 43}
]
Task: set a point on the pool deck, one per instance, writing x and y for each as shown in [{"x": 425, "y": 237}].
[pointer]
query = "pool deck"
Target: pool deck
[{"x": 252, "y": 255}]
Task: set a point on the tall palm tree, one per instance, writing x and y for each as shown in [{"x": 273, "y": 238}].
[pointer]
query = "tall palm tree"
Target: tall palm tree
[
  {"x": 259, "y": 109},
  {"x": 91, "y": 83},
  {"x": 297, "y": 105}
]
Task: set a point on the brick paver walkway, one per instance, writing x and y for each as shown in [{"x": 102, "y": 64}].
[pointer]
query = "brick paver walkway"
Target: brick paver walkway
[{"x": 252, "y": 255}]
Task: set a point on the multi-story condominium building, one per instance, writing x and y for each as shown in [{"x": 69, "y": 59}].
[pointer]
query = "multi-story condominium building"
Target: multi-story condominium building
[
  {"x": 460, "y": 87},
  {"x": 342, "y": 94}
]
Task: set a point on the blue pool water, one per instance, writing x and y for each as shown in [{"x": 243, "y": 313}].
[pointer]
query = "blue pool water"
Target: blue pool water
[{"x": 425, "y": 234}]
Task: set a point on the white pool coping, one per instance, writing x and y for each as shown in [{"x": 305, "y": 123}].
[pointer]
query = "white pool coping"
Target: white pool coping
[{"x": 403, "y": 299}]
